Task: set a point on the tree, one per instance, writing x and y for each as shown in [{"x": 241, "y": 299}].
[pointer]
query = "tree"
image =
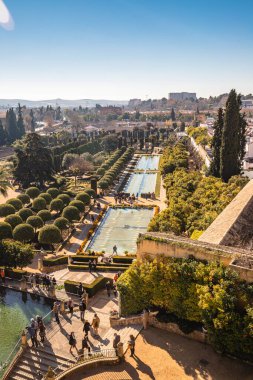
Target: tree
[
  {"x": 56, "y": 205},
  {"x": 53, "y": 191},
  {"x": 39, "y": 204},
  {"x": 35, "y": 221},
  {"x": 23, "y": 232},
  {"x": 6, "y": 209},
  {"x": 33, "y": 123},
  {"x": 49, "y": 235},
  {"x": 32, "y": 192},
  {"x": 11, "y": 126},
  {"x": 61, "y": 223},
  {"x": 173, "y": 115},
  {"x": 3, "y": 135},
  {"x": 68, "y": 158},
  {"x": 47, "y": 197},
  {"x": 4, "y": 182},
  {"x": 33, "y": 161},
  {"x": 24, "y": 213},
  {"x": 14, "y": 254},
  {"x": 233, "y": 137},
  {"x": 14, "y": 220},
  {"x": 20, "y": 122},
  {"x": 71, "y": 213},
  {"x": 45, "y": 215},
  {"x": 5, "y": 230},
  {"x": 79, "y": 167},
  {"x": 83, "y": 197},
  {"x": 15, "y": 202},
  {"x": 78, "y": 204},
  {"x": 24, "y": 198},
  {"x": 65, "y": 198},
  {"x": 110, "y": 142},
  {"x": 216, "y": 145}
]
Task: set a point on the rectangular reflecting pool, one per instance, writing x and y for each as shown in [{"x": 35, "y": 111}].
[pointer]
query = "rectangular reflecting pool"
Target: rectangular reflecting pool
[
  {"x": 148, "y": 163},
  {"x": 120, "y": 227},
  {"x": 141, "y": 183}
]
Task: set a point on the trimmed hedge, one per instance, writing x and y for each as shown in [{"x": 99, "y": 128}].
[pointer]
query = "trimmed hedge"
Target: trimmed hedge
[
  {"x": 83, "y": 258},
  {"x": 99, "y": 268},
  {"x": 14, "y": 273},
  {"x": 123, "y": 259},
  {"x": 91, "y": 289},
  {"x": 55, "y": 261}
]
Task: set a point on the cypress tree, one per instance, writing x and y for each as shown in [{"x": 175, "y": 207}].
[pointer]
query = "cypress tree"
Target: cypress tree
[
  {"x": 233, "y": 138},
  {"x": 216, "y": 145},
  {"x": 2, "y": 134},
  {"x": 20, "y": 122},
  {"x": 33, "y": 123},
  {"x": 173, "y": 115},
  {"x": 11, "y": 125}
]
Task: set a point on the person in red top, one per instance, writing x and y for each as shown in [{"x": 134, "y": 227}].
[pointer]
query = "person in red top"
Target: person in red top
[{"x": 2, "y": 274}]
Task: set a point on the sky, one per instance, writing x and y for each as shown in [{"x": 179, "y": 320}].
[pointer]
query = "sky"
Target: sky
[{"x": 122, "y": 49}]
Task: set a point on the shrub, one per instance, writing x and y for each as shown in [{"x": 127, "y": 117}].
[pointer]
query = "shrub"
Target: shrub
[
  {"x": 39, "y": 204},
  {"x": 91, "y": 289},
  {"x": 23, "y": 232},
  {"x": 56, "y": 205},
  {"x": 103, "y": 185},
  {"x": 35, "y": 221},
  {"x": 6, "y": 210},
  {"x": 53, "y": 191},
  {"x": 49, "y": 235},
  {"x": 61, "y": 223},
  {"x": 83, "y": 197},
  {"x": 78, "y": 204},
  {"x": 123, "y": 259},
  {"x": 13, "y": 220},
  {"x": 71, "y": 213},
  {"x": 24, "y": 198},
  {"x": 47, "y": 197},
  {"x": 24, "y": 213},
  {"x": 100, "y": 171},
  {"x": 32, "y": 192},
  {"x": 16, "y": 203},
  {"x": 5, "y": 230},
  {"x": 57, "y": 261},
  {"x": 15, "y": 254},
  {"x": 91, "y": 193},
  {"x": 45, "y": 215},
  {"x": 65, "y": 198}
]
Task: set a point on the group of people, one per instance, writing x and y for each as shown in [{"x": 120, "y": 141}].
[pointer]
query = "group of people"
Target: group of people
[
  {"x": 36, "y": 328},
  {"x": 130, "y": 344},
  {"x": 92, "y": 265},
  {"x": 124, "y": 197},
  {"x": 149, "y": 196},
  {"x": 112, "y": 287},
  {"x": 43, "y": 280}
]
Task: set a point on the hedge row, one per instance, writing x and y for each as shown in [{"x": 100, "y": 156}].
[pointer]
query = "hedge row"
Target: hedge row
[
  {"x": 55, "y": 261},
  {"x": 91, "y": 289},
  {"x": 16, "y": 274},
  {"x": 100, "y": 267},
  {"x": 123, "y": 259}
]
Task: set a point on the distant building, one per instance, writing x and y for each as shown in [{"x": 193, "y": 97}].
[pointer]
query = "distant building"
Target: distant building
[
  {"x": 133, "y": 103},
  {"x": 110, "y": 110},
  {"x": 247, "y": 103},
  {"x": 182, "y": 95}
]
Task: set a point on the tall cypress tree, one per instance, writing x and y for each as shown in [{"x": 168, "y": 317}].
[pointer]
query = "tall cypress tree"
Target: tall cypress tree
[
  {"x": 20, "y": 122},
  {"x": 33, "y": 123},
  {"x": 233, "y": 138},
  {"x": 11, "y": 125},
  {"x": 216, "y": 145},
  {"x": 173, "y": 115},
  {"x": 3, "y": 136}
]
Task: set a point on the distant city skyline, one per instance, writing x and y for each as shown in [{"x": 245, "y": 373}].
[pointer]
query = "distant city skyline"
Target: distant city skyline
[{"x": 122, "y": 49}]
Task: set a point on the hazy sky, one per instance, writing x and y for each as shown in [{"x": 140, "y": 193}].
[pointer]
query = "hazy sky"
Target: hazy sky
[{"x": 120, "y": 49}]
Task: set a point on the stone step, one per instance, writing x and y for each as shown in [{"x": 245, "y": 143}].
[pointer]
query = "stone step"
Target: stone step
[
  {"x": 124, "y": 332},
  {"x": 23, "y": 374},
  {"x": 47, "y": 350},
  {"x": 45, "y": 358}
]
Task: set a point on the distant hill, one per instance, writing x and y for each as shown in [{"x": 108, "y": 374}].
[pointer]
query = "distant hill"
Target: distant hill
[{"x": 63, "y": 103}]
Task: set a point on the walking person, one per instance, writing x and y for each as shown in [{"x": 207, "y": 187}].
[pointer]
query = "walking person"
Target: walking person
[
  {"x": 114, "y": 289},
  {"x": 115, "y": 342},
  {"x": 95, "y": 323},
  {"x": 90, "y": 266},
  {"x": 82, "y": 308},
  {"x": 70, "y": 305},
  {"x": 2, "y": 274},
  {"x": 131, "y": 345},
  {"x": 108, "y": 288},
  {"x": 85, "y": 344},
  {"x": 86, "y": 328},
  {"x": 80, "y": 289},
  {"x": 56, "y": 312},
  {"x": 115, "y": 250},
  {"x": 42, "y": 330},
  {"x": 72, "y": 342}
]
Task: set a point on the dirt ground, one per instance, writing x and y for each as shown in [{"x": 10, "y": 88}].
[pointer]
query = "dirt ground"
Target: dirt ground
[{"x": 161, "y": 356}]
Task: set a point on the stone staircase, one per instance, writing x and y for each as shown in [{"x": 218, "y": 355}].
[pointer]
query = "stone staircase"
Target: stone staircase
[{"x": 124, "y": 332}]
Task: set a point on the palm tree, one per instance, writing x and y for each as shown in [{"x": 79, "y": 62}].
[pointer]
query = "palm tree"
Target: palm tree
[{"x": 4, "y": 182}]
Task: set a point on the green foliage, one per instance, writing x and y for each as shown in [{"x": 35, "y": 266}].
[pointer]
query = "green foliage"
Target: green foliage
[
  {"x": 53, "y": 191},
  {"x": 61, "y": 223},
  {"x": 173, "y": 158},
  {"x": 14, "y": 254},
  {"x": 78, "y": 204},
  {"x": 24, "y": 213},
  {"x": 200, "y": 135},
  {"x": 91, "y": 193},
  {"x": 5, "y": 230},
  {"x": 100, "y": 171},
  {"x": 32, "y": 192},
  {"x": 56, "y": 205},
  {"x": 39, "y": 204},
  {"x": 195, "y": 291},
  {"x": 6, "y": 209},
  {"x": 91, "y": 289},
  {"x": 45, "y": 215},
  {"x": 35, "y": 221},
  {"x": 49, "y": 235},
  {"x": 71, "y": 213},
  {"x": 16, "y": 203},
  {"x": 65, "y": 198},
  {"x": 83, "y": 197},
  {"x": 24, "y": 198},
  {"x": 47, "y": 197},
  {"x": 23, "y": 232},
  {"x": 13, "y": 220},
  {"x": 109, "y": 143},
  {"x": 216, "y": 144},
  {"x": 196, "y": 234},
  {"x": 103, "y": 184},
  {"x": 55, "y": 261}
]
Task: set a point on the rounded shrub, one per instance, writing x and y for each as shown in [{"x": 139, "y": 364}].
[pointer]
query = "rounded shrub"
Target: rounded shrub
[
  {"x": 61, "y": 223},
  {"x": 91, "y": 193},
  {"x": 32, "y": 192},
  {"x": 83, "y": 197},
  {"x": 24, "y": 213},
  {"x": 6, "y": 209},
  {"x": 14, "y": 220},
  {"x": 49, "y": 235},
  {"x": 15, "y": 202},
  {"x": 100, "y": 171},
  {"x": 65, "y": 198},
  {"x": 24, "y": 198},
  {"x": 47, "y": 197},
  {"x": 103, "y": 185},
  {"x": 23, "y": 232},
  {"x": 39, "y": 204},
  {"x": 71, "y": 213},
  {"x": 78, "y": 204},
  {"x": 56, "y": 205},
  {"x": 35, "y": 221},
  {"x": 5, "y": 231},
  {"x": 45, "y": 215},
  {"x": 53, "y": 191}
]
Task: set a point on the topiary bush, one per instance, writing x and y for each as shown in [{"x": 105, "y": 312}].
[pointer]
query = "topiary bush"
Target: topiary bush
[
  {"x": 23, "y": 232},
  {"x": 91, "y": 193},
  {"x": 32, "y": 192},
  {"x": 56, "y": 205},
  {"x": 71, "y": 213},
  {"x": 45, "y": 215},
  {"x": 5, "y": 231},
  {"x": 6, "y": 210},
  {"x": 14, "y": 220},
  {"x": 39, "y": 204},
  {"x": 53, "y": 191},
  {"x": 16, "y": 203},
  {"x": 62, "y": 223},
  {"x": 24, "y": 198},
  {"x": 65, "y": 198},
  {"x": 47, "y": 197},
  {"x": 35, "y": 221},
  {"x": 83, "y": 197},
  {"x": 100, "y": 171},
  {"x": 103, "y": 185},
  {"x": 49, "y": 235},
  {"x": 24, "y": 213},
  {"x": 78, "y": 204}
]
